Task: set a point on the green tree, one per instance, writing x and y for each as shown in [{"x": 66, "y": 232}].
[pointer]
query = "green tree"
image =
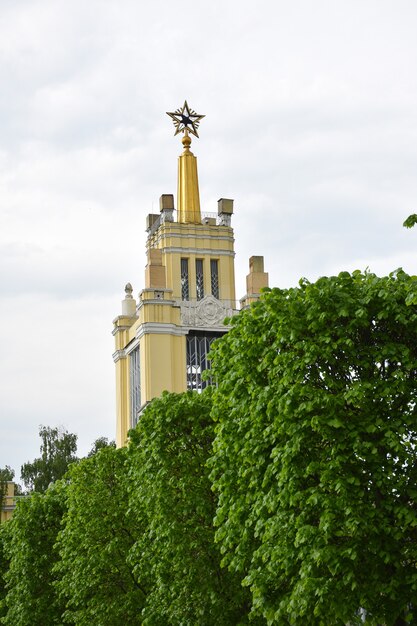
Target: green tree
[
  {"x": 95, "y": 582},
  {"x": 4, "y": 566},
  {"x": 31, "y": 597},
  {"x": 315, "y": 452},
  {"x": 58, "y": 449},
  {"x": 6, "y": 473},
  {"x": 170, "y": 484},
  {"x": 99, "y": 444}
]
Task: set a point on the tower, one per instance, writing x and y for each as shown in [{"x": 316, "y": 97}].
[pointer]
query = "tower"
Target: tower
[{"x": 162, "y": 341}]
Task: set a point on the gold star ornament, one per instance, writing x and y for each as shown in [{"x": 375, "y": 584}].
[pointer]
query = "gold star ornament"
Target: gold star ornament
[{"x": 185, "y": 119}]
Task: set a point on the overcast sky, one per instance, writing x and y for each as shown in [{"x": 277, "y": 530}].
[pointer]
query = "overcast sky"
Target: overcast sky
[{"x": 311, "y": 126}]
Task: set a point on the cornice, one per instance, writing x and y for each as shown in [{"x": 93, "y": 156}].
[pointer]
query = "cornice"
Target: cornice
[
  {"x": 118, "y": 328},
  {"x": 155, "y": 328},
  {"x": 158, "y": 237},
  {"x": 154, "y": 300},
  {"x": 118, "y": 355},
  {"x": 206, "y": 251}
]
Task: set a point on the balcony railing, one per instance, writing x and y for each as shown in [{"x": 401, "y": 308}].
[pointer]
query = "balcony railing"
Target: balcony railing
[{"x": 168, "y": 216}]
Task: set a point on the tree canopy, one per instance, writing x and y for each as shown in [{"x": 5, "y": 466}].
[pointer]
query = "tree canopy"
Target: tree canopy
[
  {"x": 96, "y": 584},
  {"x": 6, "y": 473},
  {"x": 4, "y": 566},
  {"x": 58, "y": 449},
  {"x": 99, "y": 444},
  {"x": 315, "y": 451},
  {"x": 284, "y": 495},
  {"x": 30, "y": 548},
  {"x": 169, "y": 483}
]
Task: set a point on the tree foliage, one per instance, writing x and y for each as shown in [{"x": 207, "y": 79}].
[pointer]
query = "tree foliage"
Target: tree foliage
[
  {"x": 312, "y": 458},
  {"x": 30, "y": 546},
  {"x": 4, "y": 566},
  {"x": 410, "y": 221},
  {"x": 6, "y": 474},
  {"x": 315, "y": 452},
  {"x": 169, "y": 483},
  {"x": 99, "y": 444},
  {"x": 58, "y": 449},
  {"x": 95, "y": 582}
]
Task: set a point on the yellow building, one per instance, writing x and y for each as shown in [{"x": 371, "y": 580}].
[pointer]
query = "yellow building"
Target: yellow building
[
  {"x": 8, "y": 501},
  {"x": 162, "y": 341}
]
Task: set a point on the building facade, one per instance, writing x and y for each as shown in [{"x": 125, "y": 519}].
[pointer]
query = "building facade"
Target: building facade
[
  {"x": 7, "y": 501},
  {"x": 162, "y": 340}
]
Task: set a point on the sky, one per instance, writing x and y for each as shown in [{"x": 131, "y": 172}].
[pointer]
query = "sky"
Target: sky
[{"x": 311, "y": 127}]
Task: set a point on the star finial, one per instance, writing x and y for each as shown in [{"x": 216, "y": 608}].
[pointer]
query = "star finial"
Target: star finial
[{"x": 185, "y": 119}]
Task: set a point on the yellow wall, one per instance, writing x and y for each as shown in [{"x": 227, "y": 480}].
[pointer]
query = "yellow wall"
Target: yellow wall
[
  {"x": 196, "y": 241},
  {"x": 8, "y": 503},
  {"x": 162, "y": 365},
  {"x": 156, "y": 324}
]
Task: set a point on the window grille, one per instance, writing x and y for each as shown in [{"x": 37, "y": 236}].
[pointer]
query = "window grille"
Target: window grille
[
  {"x": 198, "y": 346},
  {"x": 199, "y": 278},
  {"x": 214, "y": 270},
  {"x": 185, "y": 292},
  {"x": 135, "y": 395}
]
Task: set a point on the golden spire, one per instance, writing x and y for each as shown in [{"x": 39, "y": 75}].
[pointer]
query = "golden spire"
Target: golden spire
[{"x": 187, "y": 121}]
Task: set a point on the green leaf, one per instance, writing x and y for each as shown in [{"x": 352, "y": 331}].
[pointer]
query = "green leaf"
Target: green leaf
[
  {"x": 410, "y": 221},
  {"x": 314, "y": 454}
]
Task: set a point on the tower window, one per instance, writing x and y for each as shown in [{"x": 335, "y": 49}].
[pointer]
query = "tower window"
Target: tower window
[
  {"x": 135, "y": 395},
  {"x": 185, "y": 291},
  {"x": 214, "y": 270},
  {"x": 198, "y": 346},
  {"x": 199, "y": 278}
]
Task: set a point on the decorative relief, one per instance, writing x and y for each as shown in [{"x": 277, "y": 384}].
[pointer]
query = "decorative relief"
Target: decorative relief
[{"x": 206, "y": 312}]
